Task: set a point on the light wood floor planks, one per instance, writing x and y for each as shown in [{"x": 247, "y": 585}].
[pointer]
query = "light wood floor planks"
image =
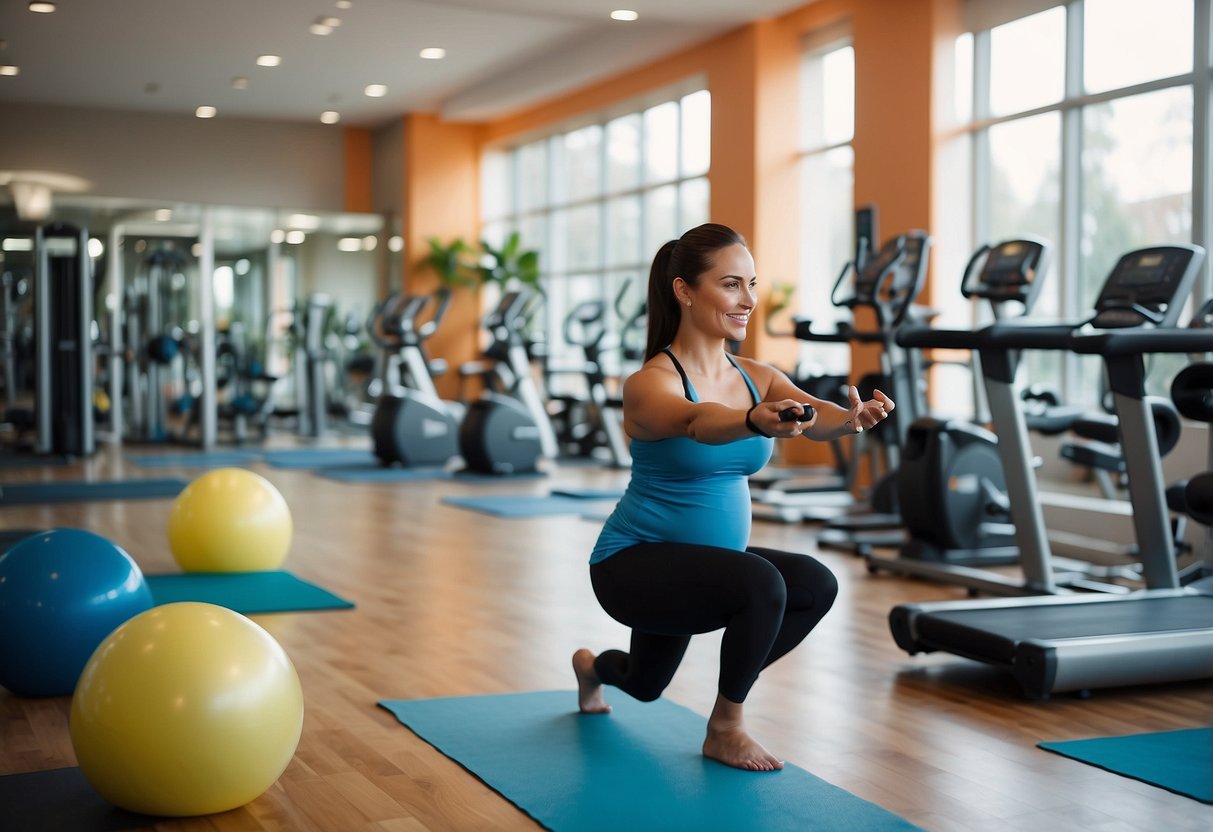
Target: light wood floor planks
[{"x": 450, "y": 602}]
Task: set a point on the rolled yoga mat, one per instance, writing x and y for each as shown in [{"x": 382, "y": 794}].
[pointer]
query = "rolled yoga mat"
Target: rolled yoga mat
[{"x": 638, "y": 768}]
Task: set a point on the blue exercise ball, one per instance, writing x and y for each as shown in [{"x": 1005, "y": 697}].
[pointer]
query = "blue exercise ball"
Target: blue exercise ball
[{"x": 61, "y": 593}]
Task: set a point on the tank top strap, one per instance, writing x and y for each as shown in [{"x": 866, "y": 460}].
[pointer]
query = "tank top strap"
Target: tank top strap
[
  {"x": 686, "y": 382},
  {"x": 748, "y": 381}
]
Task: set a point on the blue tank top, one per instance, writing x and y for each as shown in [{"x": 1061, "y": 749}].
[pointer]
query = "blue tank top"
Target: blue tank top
[{"x": 683, "y": 491}]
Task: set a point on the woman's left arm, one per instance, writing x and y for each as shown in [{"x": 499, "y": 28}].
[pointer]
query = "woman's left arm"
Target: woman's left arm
[{"x": 831, "y": 420}]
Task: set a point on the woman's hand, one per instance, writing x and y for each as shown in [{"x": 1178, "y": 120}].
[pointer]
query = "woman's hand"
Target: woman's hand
[
  {"x": 781, "y": 419},
  {"x": 867, "y": 415}
]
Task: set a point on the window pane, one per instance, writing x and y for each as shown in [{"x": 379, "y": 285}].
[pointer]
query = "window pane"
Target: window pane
[
  {"x": 1027, "y": 62},
  {"x": 495, "y": 185},
  {"x": 584, "y": 230},
  {"x": 1025, "y": 198},
  {"x": 1137, "y": 191},
  {"x": 838, "y": 117},
  {"x": 532, "y": 176},
  {"x": 660, "y": 218},
  {"x": 577, "y": 165},
  {"x": 1127, "y": 41},
  {"x": 962, "y": 102},
  {"x": 696, "y": 133},
  {"x": 1137, "y": 184},
  {"x": 694, "y": 203},
  {"x": 623, "y": 153},
  {"x": 623, "y": 232},
  {"x": 827, "y": 83},
  {"x": 827, "y": 234},
  {"x": 661, "y": 142}
]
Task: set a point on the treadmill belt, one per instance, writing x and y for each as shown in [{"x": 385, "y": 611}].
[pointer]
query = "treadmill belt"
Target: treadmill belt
[{"x": 994, "y": 632}]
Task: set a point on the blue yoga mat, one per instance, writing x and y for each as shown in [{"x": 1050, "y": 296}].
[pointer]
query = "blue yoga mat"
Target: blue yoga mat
[
  {"x": 588, "y": 493},
  {"x": 216, "y": 459},
  {"x": 509, "y": 505},
  {"x": 319, "y": 457},
  {"x": 638, "y": 768},
  {"x": 61, "y": 800},
  {"x": 248, "y": 593},
  {"x": 374, "y": 472},
  {"x": 78, "y": 492},
  {"x": 1178, "y": 761}
]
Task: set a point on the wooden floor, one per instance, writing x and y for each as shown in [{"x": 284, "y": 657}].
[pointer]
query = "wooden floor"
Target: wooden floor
[{"x": 450, "y": 602}]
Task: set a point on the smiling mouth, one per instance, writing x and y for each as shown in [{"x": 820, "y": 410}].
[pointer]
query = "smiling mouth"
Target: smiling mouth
[{"x": 741, "y": 319}]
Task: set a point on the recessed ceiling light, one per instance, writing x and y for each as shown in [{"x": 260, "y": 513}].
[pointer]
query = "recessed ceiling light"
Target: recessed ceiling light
[
  {"x": 205, "y": 111},
  {"x": 277, "y": 235},
  {"x": 295, "y": 237},
  {"x": 375, "y": 91},
  {"x": 330, "y": 117},
  {"x": 41, "y": 7},
  {"x": 624, "y": 14},
  {"x": 163, "y": 214},
  {"x": 9, "y": 69},
  {"x": 268, "y": 60},
  {"x": 433, "y": 53},
  {"x": 349, "y": 244},
  {"x": 240, "y": 83},
  {"x": 344, "y": 4},
  {"x": 331, "y": 22},
  {"x": 319, "y": 28}
]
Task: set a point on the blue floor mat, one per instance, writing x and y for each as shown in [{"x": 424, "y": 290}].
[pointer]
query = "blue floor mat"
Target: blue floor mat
[
  {"x": 640, "y": 768},
  {"x": 510, "y": 505},
  {"x": 374, "y": 472},
  {"x": 589, "y": 493},
  {"x": 319, "y": 457},
  {"x": 215, "y": 459},
  {"x": 78, "y": 492},
  {"x": 1178, "y": 761},
  {"x": 248, "y": 593}
]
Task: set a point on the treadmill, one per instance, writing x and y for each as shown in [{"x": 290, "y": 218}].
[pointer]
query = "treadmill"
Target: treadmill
[{"x": 1054, "y": 642}]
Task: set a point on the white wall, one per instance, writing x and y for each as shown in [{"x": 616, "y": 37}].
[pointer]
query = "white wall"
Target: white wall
[{"x": 180, "y": 158}]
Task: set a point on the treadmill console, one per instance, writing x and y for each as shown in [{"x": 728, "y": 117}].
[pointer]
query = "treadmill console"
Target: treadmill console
[
  {"x": 890, "y": 280},
  {"x": 1009, "y": 271},
  {"x": 1148, "y": 286}
]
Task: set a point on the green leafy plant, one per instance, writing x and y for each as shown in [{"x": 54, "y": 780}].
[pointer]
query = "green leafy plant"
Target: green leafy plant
[
  {"x": 510, "y": 263},
  {"x": 454, "y": 263}
]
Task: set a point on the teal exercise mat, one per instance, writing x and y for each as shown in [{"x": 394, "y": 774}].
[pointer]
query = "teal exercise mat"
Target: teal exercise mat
[
  {"x": 588, "y": 493},
  {"x": 214, "y": 459},
  {"x": 79, "y": 492},
  {"x": 1178, "y": 761},
  {"x": 61, "y": 800},
  {"x": 248, "y": 593},
  {"x": 519, "y": 506},
  {"x": 639, "y": 768},
  {"x": 30, "y": 460},
  {"x": 319, "y": 457},
  {"x": 374, "y": 472}
]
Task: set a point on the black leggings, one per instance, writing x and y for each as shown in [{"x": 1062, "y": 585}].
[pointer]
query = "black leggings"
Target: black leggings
[{"x": 767, "y": 602}]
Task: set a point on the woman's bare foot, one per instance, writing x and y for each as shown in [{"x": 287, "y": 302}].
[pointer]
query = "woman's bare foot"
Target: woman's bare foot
[
  {"x": 589, "y": 686},
  {"x": 734, "y": 747},
  {"x": 727, "y": 741}
]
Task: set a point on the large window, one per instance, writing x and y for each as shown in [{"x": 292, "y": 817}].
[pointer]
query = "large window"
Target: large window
[
  {"x": 598, "y": 201},
  {"x": 1089, "y": 126},
  {"x": 827, "y": 189}
]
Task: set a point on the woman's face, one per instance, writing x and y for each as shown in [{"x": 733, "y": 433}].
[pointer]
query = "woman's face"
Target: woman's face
[{"x": 725, "y": 295}]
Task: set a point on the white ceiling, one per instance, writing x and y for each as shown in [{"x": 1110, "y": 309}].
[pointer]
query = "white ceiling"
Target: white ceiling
[{"x": 171, "y": 56}]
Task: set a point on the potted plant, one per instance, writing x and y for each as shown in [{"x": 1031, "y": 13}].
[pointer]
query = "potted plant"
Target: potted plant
[
  {"x": 509, "y": 264},
  {"x": 453, "y": 262}
]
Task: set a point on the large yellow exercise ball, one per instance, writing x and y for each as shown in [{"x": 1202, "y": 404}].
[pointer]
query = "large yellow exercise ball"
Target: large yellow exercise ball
[
  {"x": 186, "y": 709},
  {"x": 230, "y": 520}
]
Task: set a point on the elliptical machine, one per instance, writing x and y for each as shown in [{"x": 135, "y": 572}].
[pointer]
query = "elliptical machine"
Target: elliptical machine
[
  {"x": 507, "y": 430},
  {"x": 411, "y": 425}
]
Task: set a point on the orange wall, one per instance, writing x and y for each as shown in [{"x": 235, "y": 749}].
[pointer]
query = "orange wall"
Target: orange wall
[
  {"x": 442, "y": 199},
  {"x": 358, "y": 170}
]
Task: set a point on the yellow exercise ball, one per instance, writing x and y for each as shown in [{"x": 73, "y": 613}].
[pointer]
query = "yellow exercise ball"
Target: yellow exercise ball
[
  {"x": 186, "y": 709},
  {"x": 230, "y": 520}
]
